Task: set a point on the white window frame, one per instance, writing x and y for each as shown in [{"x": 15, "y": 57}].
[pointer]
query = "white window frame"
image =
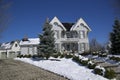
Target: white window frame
[
  {"x": 56, "y": 34},
  {"x": 82, "y": 46},
  {"x": 82, "y": 34}
]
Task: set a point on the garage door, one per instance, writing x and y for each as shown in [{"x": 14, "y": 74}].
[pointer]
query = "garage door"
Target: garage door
[
  {"x": 3, "y": 55},
  {"x": 12, "y": 54}
]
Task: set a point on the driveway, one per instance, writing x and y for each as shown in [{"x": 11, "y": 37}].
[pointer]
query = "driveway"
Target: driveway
[{"x": 17, "y": 70}]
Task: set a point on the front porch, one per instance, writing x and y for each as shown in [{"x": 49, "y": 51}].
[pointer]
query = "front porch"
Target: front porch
[
  {"x": 69, "y": 47},
  {"x": 72, "y": 47}
]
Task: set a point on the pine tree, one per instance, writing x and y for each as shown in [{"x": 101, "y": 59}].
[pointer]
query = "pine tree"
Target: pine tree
[
  {"x": 115, "y": 38},
  {"x": 46, "y": 46}
]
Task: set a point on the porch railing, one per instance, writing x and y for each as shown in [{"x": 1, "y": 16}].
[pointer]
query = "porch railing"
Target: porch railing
[{"x": 70, "y": 39}]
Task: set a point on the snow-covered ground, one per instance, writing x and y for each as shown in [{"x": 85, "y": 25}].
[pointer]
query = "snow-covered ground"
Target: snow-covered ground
[{"x": 64, "y": 67}]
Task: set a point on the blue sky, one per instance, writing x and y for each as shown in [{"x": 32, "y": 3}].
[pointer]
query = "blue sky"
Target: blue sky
[{"x": 28, "y": 16}]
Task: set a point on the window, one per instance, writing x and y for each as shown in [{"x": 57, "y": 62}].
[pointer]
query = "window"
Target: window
[
  {"x": 82, "y": 34},
  {"x": 68, "y": 34},
  {"x": 16, "y": 45},
  {"x": 56, "y": 35},
  {"x": 81, "y": 24},
  {"x": 82, "y": 46},
  {"x": 56, "y": 47},
  {"x": 55, "y": 23}
]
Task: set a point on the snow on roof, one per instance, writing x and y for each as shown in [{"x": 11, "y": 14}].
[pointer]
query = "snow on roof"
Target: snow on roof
[
  {"x": 31, "y": 41},
  {"x": 7, "y": 45}
]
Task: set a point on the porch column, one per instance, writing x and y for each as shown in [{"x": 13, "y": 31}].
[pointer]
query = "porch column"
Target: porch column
[
  {"x": 70, "y": 47},
  {"x": 59, "y": 47},
  {"x": 59, "y": 34},
  {"x": 87, "y": 46},
  {"x": 78, "y": 47}
]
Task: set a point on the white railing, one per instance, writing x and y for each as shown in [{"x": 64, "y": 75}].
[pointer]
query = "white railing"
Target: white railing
[{"x": 70, "y": 39}]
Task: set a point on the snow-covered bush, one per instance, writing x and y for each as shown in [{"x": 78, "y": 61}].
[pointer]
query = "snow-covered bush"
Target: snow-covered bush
[
  {"x": 99, "y": 70},
  {"x": 81, "y": 60},
  {"x": 34, "y": 56},
  {"x": 76, "y": 59},
  {"x": 20, "y": 56},
  {"x": 25, "y": 56},
  {"x": 47, "y": 56},
  {"x": 68, "y": 56},
  {"x": 84, "y": 62},
  {"x": 29, "y": 56},
  {"x": 102, "y": 55},
  {"x": 91, "y": 65},
  {"x": 117, "y": 59},
  {"x": 94, "y": 53},
  {"x": 55, "y": 55},
  {"x": 62, "y": 56},
  {"x": 85, "y": 53},
  {"x": 110, "y": 74}
]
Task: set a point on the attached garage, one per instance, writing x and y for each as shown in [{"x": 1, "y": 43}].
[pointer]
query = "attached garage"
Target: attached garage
[
  {"x": 9, "y": 50},
  {"x": 12, "y": 54}
]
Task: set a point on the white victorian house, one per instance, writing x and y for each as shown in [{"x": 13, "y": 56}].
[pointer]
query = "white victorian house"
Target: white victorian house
[
  {"x": 29, "y": 46},
  {"x": 71, "y": 37}
]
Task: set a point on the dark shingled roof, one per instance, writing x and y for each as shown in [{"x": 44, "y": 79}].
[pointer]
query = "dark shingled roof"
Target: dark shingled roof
[{"x": 68, "y": 26}]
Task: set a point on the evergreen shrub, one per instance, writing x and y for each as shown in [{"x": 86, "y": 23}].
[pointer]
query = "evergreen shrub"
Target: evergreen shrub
[
  {"x": 76, "y": 59},
  {"x": 62, "y": 56},
  {"x": 68, "y": 56},
  {"x": 99, "y": 70},
  {"x": 91, "y": 66},
  {"x": 84, "y": 62},
  {"x": 110, "y": 74},
  {"x": 117, "y": 59}
]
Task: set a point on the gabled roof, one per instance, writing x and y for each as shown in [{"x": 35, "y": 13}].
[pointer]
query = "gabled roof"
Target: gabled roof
[
  {"x": 30, "y": 41},
  {"x": 7, "y": 45},
  {"x": 55, "y": 19},
  {"x": 68, "y": 26},
  {"x": 81, "y": 21}
]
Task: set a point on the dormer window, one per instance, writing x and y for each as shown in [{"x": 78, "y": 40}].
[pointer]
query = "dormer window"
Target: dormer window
[
  {"x": 56, "y": 35},
  {"x": 55, "y": 23},
  {"x": 82, "y": 34},
  {"x": 81, "y": 24},
  {"x": 16, "y": 45}
]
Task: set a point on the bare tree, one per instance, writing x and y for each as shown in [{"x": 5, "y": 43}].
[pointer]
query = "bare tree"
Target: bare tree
[
  {"x": 4, "y": 15},
  {"x": 95, "y": 46}
]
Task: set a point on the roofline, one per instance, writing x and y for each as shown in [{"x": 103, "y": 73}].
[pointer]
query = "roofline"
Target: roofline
[{"x": 59, "y": 21}]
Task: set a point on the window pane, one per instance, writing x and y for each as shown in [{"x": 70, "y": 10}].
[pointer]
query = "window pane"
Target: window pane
[
  {"x": 82, "y": 46},
  {"x": 82, "y": 34}
]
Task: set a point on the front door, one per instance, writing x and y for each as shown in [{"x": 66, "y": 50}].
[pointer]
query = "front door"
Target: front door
[{"x": 70, "y": 47}]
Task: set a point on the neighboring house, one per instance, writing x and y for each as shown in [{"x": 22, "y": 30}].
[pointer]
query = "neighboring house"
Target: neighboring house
[
  {"x": 71, "y": 37},
  {"x": 9, "y": 49},
  {"x": 29, "y": 46}
]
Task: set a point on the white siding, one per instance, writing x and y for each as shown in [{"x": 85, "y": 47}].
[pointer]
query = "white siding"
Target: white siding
[
  {"x": 30, "y": 50},
  {"x": 35, "y": 50},
  {"x": 15, "y": 47},
  {"x": 82, "y": 34},
  {"x": 24, "y": 50}
]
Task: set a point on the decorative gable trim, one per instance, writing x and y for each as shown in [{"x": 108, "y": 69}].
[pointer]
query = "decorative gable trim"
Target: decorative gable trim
[
  {"x": 82, "y": 22},
  {"x": 56, "y": 20},
  {"x": 8, "y": 46}
]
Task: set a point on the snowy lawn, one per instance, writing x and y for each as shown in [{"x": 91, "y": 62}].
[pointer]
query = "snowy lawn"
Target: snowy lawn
[{"x": 64, "y": 67}]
